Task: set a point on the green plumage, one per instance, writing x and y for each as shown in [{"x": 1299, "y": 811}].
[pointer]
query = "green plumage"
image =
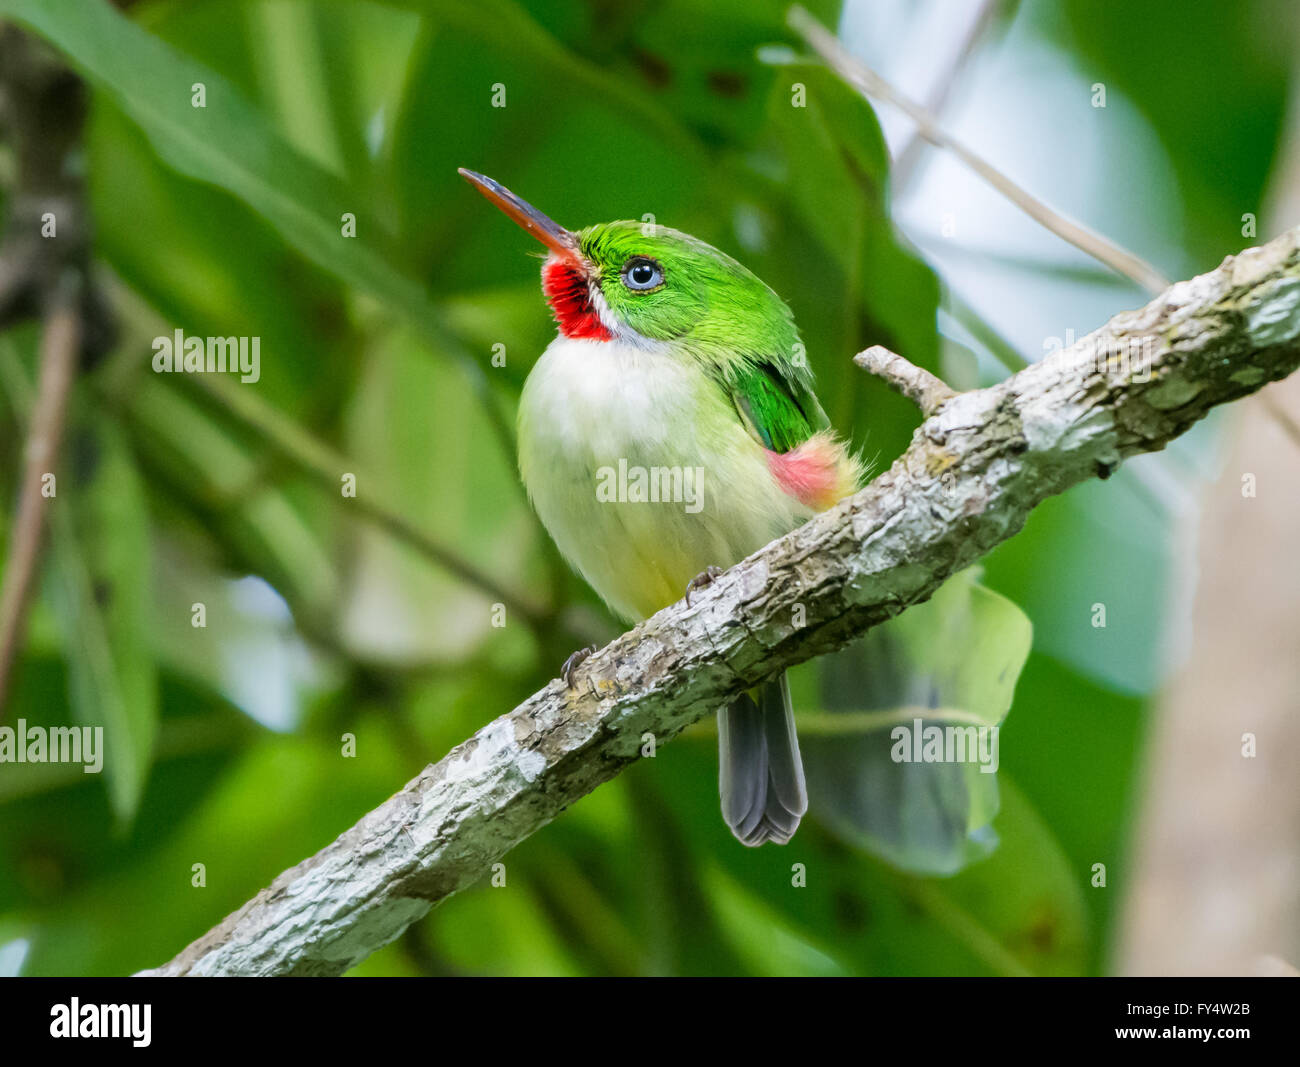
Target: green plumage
[
  {"x": 672, "y": 357},
  {"x": 766, "y": 400},
  {"x": 721, "y": 315}
]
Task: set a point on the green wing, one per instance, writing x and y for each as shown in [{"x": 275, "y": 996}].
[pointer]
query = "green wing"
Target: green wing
[{"x": 779, "y": 407}]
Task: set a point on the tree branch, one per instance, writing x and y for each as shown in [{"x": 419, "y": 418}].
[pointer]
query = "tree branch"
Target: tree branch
[{"x": 973, "y": 472}]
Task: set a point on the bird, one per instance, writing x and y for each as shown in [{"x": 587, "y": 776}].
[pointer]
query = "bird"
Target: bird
[{"x": 668, "y": 431}]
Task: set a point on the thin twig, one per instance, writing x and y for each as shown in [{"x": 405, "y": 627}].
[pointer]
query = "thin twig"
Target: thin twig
[
  {"x": 44, "y": 110},
  {"x": 927, "y": 391},
  {"x": 977, "y": 23},
  {"x": 1281, "y": 416},
  {"x": 60, "y": 344},
  {"x": 862, "y": 77}
]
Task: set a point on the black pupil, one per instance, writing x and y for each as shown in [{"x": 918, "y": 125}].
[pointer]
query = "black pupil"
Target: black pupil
[{"x": 642, "y": 273}]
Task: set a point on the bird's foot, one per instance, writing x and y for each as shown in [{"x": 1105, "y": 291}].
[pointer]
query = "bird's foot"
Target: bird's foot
[
  {"x": 704, "y": 578},
  {"x": 574, "y": 662}
]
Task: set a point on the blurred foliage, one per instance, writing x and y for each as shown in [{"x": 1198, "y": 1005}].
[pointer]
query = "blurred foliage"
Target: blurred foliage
[
  {"x": 328, "y": 617},
  {"x": 950, "y": 663},
  {"x": 1221, "y": 132}
]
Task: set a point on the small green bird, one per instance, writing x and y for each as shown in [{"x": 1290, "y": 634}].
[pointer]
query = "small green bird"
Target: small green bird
[{"x": 671, "y": 428}]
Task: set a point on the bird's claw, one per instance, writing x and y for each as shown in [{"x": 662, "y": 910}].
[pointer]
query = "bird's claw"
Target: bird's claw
[
  {"x": 704, "y": 578},
  {"x": 574, "y": 662}
]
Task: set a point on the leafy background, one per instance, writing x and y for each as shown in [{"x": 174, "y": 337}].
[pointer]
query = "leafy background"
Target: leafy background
[{"x": 328, "y": 615}]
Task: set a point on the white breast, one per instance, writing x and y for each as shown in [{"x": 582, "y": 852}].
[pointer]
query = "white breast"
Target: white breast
[
  {"x": 602, "y": 396},
  {"x": 590, "y": 406}
]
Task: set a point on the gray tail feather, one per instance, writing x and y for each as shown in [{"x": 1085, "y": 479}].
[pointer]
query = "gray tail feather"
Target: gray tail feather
[{"x": 760, "y": 774}]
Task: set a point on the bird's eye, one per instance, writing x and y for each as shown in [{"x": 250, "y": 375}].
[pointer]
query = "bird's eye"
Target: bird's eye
[{"x": 642, "y": 274}]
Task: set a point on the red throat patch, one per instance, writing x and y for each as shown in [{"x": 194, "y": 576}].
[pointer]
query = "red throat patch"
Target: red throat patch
[{"x": 570, "y": 299}]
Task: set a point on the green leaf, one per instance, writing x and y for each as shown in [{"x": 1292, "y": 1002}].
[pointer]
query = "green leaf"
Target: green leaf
[
  {"x": 508, "y": 29},
  {"x": 228, "y": 143},
  {"x": 559, "y": 107},
  {"x": 400, "y": 607},
  {"x": 1073, "y": 746},
  {"x": 256, "y": 520},
  {"x": 1093, "y": 570},
  {"x": 58, "y": 828},
  {"x": 766, "y": 939},
  {"x": 836, "y": 169},
  {"x": 834, "y": 252},
  {"x": 949, "y": 663},
  {"x": 1020, "y": 911},
  {"x": 100, "y": 580},
  {"x": 281, "y": 797},
  {"x": 223, "y": 270}
]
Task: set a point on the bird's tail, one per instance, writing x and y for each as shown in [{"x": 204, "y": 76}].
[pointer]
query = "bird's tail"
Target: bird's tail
[{"x": 760, "y": 774}]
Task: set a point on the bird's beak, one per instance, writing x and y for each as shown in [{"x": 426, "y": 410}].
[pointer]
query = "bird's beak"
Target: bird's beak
[{"x": 554, "y": 236}]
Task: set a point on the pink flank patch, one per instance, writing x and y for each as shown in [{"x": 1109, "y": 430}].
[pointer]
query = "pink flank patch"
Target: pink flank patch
[
  {"x": 814, "y": 473},
  {"x": 570, "y": 299}
]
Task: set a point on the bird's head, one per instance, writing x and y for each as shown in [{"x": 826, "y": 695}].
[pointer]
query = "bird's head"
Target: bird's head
[{"x": 647, "y": 285}]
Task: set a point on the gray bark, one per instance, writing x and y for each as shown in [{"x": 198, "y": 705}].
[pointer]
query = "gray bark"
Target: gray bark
[{"x": 975, "y": 469}]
